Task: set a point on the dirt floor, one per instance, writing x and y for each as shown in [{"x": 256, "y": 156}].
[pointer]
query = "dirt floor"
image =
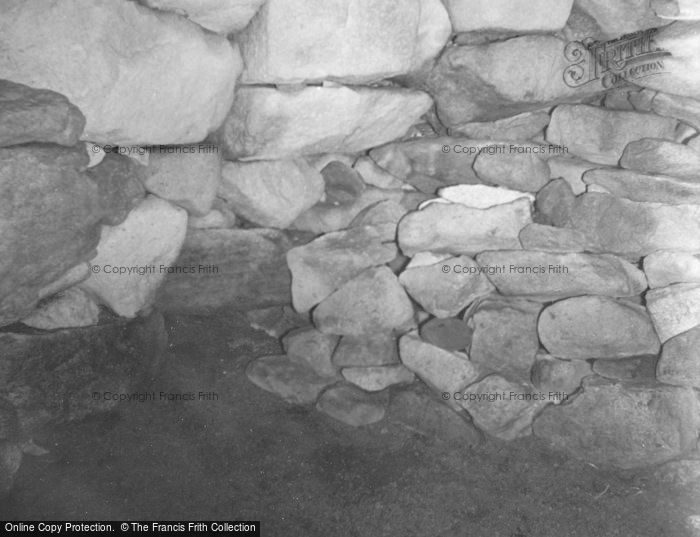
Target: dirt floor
[{"x": 250, "y": 456}]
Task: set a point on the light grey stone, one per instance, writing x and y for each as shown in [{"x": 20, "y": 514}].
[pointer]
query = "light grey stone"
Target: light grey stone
[
  {"x": 377, "y": 378},
  {"x": 667, "y": 267},
  {"x": 674, "y": 309},
  {"x": 552, "y": 239},
  {"x": 654, "y": 156},
  {"x": 642, "y": 187}
]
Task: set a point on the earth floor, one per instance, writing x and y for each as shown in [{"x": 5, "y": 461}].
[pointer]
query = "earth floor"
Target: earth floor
[{"x": 251, "y": 456}]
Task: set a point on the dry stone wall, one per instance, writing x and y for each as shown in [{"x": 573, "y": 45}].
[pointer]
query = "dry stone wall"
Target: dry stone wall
[{"x": 458, "y": 195}]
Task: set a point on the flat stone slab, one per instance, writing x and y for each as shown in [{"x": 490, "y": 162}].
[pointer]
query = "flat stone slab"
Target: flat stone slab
[
  {"x": 220, "y": 16},
  {"x": 643, "y": 187},
  {"x": 443, "y": 371},
  {"x": 627, "y": 426},
  {"x": 655, "y": 156},
  {"x": 456, "y": 229},
  {"x": 597, "y": 327},
  {"x": 231, "y": 269},
  {"x": 550, "y": 276},
  {"x": 520, "y": 16},
  {"x": 552, "y": 239},
  {"x": 601, "y": 135}
]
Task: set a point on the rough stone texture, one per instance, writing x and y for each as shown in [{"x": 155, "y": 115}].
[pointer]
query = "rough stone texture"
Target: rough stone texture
[
  {"x": 266, "y": 123},
  {"x": 553, "y": 375},
  {"x": 294, "y": 383},
  {"x": 72, "y": 308},
  {"x": 600, "y": 135},
  {"x": 635, "y": 369},
  {"x": 666, "y": 267},
  {"x": 622, "y": 16},
  {"x": 373, "y": 301},
  {"x": 456, "y": 229},
  {"x": 366, "y": 350},
  {"x": 519, "y": 16},
  {"x": 158, "y": 79},
  {"x": 251, "y": 272},
  {"x": 48, "y": 379},
  {"x": 542, "y": 275},
  {"x": 507, "y": 417},
  {"x": 325, "y": 264},
  {"x": 444, "y": 294},
  {"x": 676, "y": 9},
  {"x": 504, "y": 337},
  {"x": 189, "y": 176},
  {"x": 479, "y": 196},
  {"x": 49, "y": 216},
  {"x": 596, "y": 327},
  {"x": 520, "y": 171},
  {"x": 497, "y": 80},
  {"x": 384, "y": 216},
  {"x": 37, "y": 115},
  {"x": 680, "y": 74},
  {"x": 351, "y": 41},
  {"x": 627, "y": 426},
  {"x": 312, "y": 349},
  {"x": 686, "y": 109},
  {"x": 376, "y": 378},
  {"x": 552, "y": 239},
  {"x": 641, "y": 187},
  {"x": 220, "y": 16},
  {"x": 421, "y": 411},
  {"x": 635, "y": 229},
  {"x": 680, "y": 360},
  {"x": 442, "y": 370},
  {"x": 119, "y": 185},
  {"x": 674, "y": 309},
  {"x": 423, "y": 163},
  {"x": 147, "y": 242},
  {"x": 270, "y": 193},
  {"x": 375, "y": 175},
  {"x": 451, "y": 334},
  {"x": 353, "y": 406},
  {"x": 342, "y": 183},
  {"x": 327, "y": 216},
  {"x": 518, "y": 128},
  {"x": 654, "y": 156},
  {"x": 555, "y": 203},
  {"x": 276, "y": 321}
]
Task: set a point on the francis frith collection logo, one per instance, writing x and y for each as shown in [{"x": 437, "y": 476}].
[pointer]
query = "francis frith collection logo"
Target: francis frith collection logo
[{"x": 615, "y": 62}]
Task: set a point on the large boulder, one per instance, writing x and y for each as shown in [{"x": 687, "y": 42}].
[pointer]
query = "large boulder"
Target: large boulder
[
  {"x": 597, "y": 327},
  {"x": 156, "y": 79},
  {"x": 508, "y": 15},
  {"x": 266, "y": 123},
  {"x": 624, "y": 425},
  {"x": 497, "y": 80},
  {"x": 37, "y": 115},
  {"x": 49, "y": 222},
  {"x": 351, "y": 41},
  {"x": 220, "y": 16},
  {"x": 228, "y": 269},
  {"x": 270, "y": 193}
]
